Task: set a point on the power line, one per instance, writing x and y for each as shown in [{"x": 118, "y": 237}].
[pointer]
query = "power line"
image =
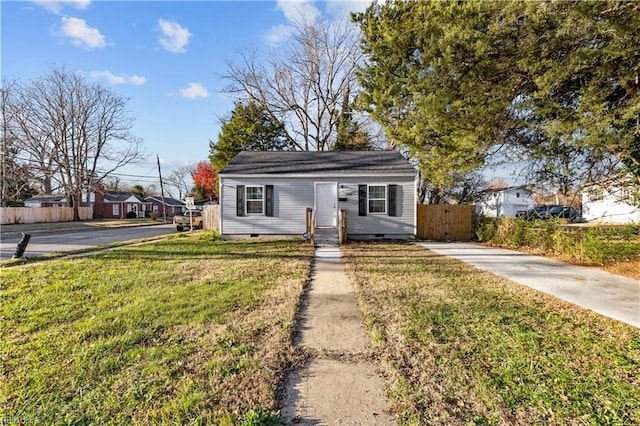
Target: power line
[{"x": 148, "y": 177}]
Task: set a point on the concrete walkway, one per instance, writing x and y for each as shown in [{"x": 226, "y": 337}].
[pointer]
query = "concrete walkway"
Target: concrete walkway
[
  {"x": 339, "y": 385},
  {"x": 611, "y": 295}
]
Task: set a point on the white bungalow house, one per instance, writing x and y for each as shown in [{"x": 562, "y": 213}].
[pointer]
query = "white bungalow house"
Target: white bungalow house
[
  {"x": 611, "y": 201},
  {"x": 46, "y": 200},
  {"x": 267, "y": 194},
  {"x": 504, "y": 202}
]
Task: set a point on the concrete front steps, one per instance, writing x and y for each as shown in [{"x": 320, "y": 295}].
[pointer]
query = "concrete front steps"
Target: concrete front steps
[{"x": 326, "y": 237}]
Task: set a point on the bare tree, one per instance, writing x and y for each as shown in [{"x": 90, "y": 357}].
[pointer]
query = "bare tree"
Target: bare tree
[
  {"x": 14, "y": 171},
  {"x": 75, "y": 131},
  {"x": 179, "y": 181},
  {"x": 303, "y": 82}
]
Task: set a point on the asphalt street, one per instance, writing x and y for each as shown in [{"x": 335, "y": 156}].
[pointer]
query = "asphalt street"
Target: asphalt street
[{"x": 62, "y": 241}]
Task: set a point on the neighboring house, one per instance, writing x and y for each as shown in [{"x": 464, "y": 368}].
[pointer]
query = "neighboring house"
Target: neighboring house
[
  {"x": 172, "y": 206},
  {"x": 116, "y": 205},
  {"x": 504, "y": 202},
  {"x": 201, "y": 204},
  {"x": 46, "y": 200},
  {"x": 268, "y": 193},
  {"x": 611, "y": 201}
]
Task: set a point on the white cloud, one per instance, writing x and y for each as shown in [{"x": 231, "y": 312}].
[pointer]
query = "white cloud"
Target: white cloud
[
  {"x": 111, "y": 78},
  {"x": 57, "y": 6},
  {"x": 195, "y": 90},
  {"x": 174, "y": 37},
  {"x": 80, "y": 34},
  {"x": 277, "y": 34},
  {"x": 299, "y": 11},
  {"x": 343, "y": 9},
  {"x": 304, "y": 12}
]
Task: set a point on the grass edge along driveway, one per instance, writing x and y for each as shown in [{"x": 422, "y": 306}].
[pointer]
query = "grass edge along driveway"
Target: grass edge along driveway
[
  {"x": 462, "y": 346},
  {"x": 188, "y": 330}
]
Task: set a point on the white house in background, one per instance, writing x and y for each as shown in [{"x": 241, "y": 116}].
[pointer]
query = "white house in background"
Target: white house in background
[
  {"x": 504, "y": 202},
  {"x": 611, "y": 201},
  {"x": 46, "y": 200},
  {"x": 268, "y": 193}
]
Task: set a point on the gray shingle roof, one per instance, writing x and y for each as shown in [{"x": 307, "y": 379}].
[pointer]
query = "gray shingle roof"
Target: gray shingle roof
[
  {"x": 167, "y": 200},
  {"x": 314, "y": 162},
  {"x": 120, "y": 196}
]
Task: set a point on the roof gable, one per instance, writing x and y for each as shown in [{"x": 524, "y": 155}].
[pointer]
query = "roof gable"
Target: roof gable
[{"x": 318, "y": 162}]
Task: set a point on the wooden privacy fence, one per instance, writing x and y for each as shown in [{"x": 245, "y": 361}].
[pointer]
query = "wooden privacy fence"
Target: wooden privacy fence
[
  {"x": 211, "y": 218},
  {"x": 11, "y": 215},
  {"x": 445, "y": 222}
]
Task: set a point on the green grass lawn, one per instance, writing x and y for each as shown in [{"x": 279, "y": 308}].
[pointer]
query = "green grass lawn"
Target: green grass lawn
[
  {"x": 184, "y": 331},
  {"x": 190, "y": 330},
  {"x": 460, "y": 346}
]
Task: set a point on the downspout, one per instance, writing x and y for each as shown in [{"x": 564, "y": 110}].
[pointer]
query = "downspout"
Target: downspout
[
  {"x": 220, "y": 191},
  {"x": 416, "y": 184}
]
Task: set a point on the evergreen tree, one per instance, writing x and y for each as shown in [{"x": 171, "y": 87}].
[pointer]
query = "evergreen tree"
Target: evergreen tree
[
  {"x": 250, "y": 128},
  {"x": 556, "y": 82},
  {"x": 350, "y": 136},
  {"x": 138, "y": 190}
]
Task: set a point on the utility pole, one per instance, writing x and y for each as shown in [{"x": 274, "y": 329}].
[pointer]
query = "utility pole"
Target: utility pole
[{"x": 164, "y": 208}]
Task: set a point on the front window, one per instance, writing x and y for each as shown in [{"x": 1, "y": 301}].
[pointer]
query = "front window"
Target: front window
[
  {"x": 377, "y": 199},
  {"x": 255, "y": 199},
  {"x": 596, "y": 194}
]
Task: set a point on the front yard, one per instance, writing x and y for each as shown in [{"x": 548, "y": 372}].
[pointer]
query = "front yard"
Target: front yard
[
  {"x": 192, "y": 330},
  {"x": 461, "y": 346},
  {"x": 182, "y": 331}
]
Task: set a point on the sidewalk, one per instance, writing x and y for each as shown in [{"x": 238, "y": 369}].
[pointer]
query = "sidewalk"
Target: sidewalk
[
  {"x": 610, "y": 295},
  {"x": 339, "y": 385}
]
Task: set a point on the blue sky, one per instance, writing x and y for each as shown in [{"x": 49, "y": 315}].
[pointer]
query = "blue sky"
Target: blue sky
[{"x": 166, "y": 56}]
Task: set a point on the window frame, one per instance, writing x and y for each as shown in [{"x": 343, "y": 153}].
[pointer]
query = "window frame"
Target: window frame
[
  {"x": 596, "y": 193},
  {"x": 385, "y": 199},
  {"x": 247, "y": 200}
]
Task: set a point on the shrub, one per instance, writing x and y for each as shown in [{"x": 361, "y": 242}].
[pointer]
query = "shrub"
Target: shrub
[
  {"x": 599, "y": 245},
  {"x": 132, "y": 215},
  {"x": 485, "y": 228}
]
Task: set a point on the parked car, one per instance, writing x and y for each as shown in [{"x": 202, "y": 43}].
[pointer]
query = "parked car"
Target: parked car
[
  {"x": 563, "y": 212},
  {"x": 535, "y": 213},
  {"x": 544, "y": 212},
  {"x": 188, "y": 219}
]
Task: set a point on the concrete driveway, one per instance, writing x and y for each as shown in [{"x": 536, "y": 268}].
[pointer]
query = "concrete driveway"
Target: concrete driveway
[{"x": 611, "y": 295}]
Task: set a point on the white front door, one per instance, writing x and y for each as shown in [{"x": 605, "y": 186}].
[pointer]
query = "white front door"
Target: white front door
[{"x": 326, "y": 204}]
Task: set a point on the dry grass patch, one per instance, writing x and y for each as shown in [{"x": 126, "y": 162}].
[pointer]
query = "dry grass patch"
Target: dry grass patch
[{"x": 462, "y": 346}]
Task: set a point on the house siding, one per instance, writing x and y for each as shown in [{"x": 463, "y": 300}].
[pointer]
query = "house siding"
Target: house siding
[
  {"x": 608, "y": 207},
  {"x": 505, "y": 203},
  {"x": 293, "y": 195}
]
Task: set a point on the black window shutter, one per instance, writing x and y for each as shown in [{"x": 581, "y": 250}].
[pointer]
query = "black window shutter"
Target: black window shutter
[
  {"x": 362, "y": 200},
  {"x": 392, "y": 200},
  {"x": 240, "y": 200},
  {"x": 268, "y": 200}
]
